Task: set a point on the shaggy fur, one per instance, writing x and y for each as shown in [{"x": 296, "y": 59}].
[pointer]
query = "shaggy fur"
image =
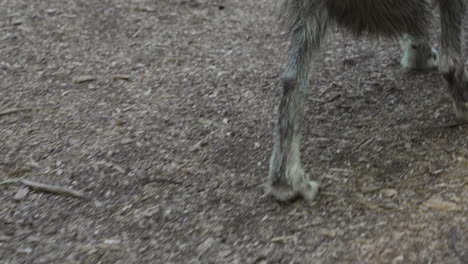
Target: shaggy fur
[{"x": 307, "y": 22}]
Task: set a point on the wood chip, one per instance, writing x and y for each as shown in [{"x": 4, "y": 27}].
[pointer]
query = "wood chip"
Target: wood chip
[
  {"x": 124, "y": 77},
  {"x": 439, "y": 204},
  {"x": 283, "y": 239},
  {"x": 20, "y": 194},
  {"x": 389, "y": 192},
  {"x": 328, "y": 233},
  {"x": 84, "y": 78}
]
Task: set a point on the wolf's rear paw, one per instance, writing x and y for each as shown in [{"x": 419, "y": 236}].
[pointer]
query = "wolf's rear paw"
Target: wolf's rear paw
[{"x": 281, "y": 191}]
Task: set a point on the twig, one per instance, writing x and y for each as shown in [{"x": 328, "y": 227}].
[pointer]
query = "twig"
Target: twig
[
  {"x": 51, "y": 188},
  {"x": 45, "y": 187},
  {"x": 453, "y": 246},
  {"x": 14, "y": 110}
]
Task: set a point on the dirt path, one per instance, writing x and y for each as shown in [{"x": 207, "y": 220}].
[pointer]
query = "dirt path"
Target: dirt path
[{"x": 162, "y": 112}]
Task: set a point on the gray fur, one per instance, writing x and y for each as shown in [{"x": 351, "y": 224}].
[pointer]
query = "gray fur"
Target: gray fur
[{"x": 308, "y": 21}]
